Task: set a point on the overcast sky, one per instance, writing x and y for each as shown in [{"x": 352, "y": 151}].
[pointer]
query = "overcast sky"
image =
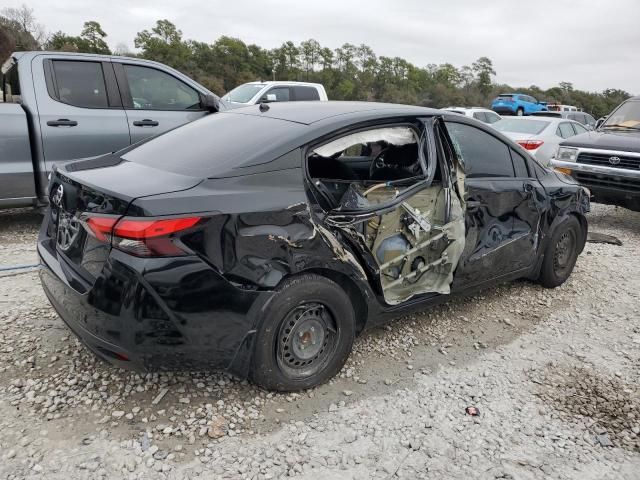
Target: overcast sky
[{"x": 592, "y": 43}]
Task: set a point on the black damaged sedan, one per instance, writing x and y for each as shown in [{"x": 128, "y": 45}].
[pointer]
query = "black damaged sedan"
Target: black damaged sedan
[{"x": 262, "y": 240}]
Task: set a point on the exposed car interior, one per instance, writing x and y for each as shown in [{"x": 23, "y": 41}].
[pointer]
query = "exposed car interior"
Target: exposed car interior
[{"x": 417, "y": 243}]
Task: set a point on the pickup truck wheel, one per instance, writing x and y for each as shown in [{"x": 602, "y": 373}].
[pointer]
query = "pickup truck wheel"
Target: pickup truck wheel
[
  {"x": 306, "y": 335},
  {"x": 520, "y": 112},
  {"x": 561, "y": 253}
]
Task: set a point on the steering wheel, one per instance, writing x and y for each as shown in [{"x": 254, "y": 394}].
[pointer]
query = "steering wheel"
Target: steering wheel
[{"x": 378, "y": 162}]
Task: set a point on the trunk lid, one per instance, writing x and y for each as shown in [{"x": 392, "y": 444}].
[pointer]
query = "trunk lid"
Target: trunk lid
[{"x": 100, "y": 186}]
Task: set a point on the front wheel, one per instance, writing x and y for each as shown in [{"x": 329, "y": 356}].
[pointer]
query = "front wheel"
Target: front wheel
[
  {"x": 306, "y": 335},
  {"x": 520, "y": 112},
  {"x": 561, "y": 253}
]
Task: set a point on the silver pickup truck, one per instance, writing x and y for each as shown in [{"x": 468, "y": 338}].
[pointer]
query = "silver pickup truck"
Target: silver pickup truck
[{"x": 61, "y": 106}]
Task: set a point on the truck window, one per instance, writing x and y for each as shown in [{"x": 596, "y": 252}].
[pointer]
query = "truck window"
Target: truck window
[
  {"x": 305, "y": 93},
  {"x": 11, "y": 86},
  {"x": 153, "y": 89},
  {"x": 281, "y": 93},
  {"x": 80, "y": 83}
]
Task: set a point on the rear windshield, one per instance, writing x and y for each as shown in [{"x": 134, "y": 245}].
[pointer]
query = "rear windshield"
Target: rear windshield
[
  {"x": 243, "y": 93},
  {"x": 215, "y": 145},
  {"x": 11, "y": 86},
  {"x": 520, "y": 126}
]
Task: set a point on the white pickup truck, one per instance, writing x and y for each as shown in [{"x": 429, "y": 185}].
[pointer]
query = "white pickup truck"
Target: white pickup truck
[{"x": 253, "y": 93}]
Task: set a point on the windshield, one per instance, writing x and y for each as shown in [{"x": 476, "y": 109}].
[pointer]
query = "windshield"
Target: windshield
[
  {"x": 520, "y": 126},
  {"x": 243, "y": 93},
  {"x": 626, "y": 116}
]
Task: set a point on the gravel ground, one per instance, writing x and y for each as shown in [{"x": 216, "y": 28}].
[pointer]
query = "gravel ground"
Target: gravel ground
[{"x": 554, "y": 373}]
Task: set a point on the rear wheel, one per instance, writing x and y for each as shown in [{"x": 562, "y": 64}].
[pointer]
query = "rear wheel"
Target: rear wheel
[
  {"x": 561, "y": 253},
  {"x": 520, "y": 112},
  {"x": 306, "y": 335}
]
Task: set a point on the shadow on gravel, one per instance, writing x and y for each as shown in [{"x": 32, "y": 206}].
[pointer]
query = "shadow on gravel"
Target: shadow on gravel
[
  {"x": 611, "y": 406},
  {"x": 22, "y": 220}
]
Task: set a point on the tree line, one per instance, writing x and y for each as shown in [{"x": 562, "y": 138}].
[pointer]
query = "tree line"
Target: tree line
[{"x": 350, "y": 72}]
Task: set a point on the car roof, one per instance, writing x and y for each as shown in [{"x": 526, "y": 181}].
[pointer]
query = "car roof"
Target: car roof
[
  {"x": 283, "y": 82},
  {"x": 311, "y": 112},
  {"x": 470, "y": 109},
  {"x": 537, "y": 118}
]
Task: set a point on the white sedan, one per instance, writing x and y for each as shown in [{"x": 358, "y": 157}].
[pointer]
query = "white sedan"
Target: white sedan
[{"x": 540, "y": 136}]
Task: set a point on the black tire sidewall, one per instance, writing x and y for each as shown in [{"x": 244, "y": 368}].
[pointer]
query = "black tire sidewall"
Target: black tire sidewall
[
  {"x": 265, "y": 370},
  {"x": 548, "y": 276}
]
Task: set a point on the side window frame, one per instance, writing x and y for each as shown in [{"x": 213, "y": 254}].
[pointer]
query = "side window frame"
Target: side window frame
[
  {"x": 506, "y": 146},
  {"x": 513, "y": 152},
  {"x": 114, "y": 100},
  {"x": 125, "y": 91},
  {"x": 425, "y": 129}
]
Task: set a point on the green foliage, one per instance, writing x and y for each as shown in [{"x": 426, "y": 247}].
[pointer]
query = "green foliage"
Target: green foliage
[
  {"x": 350, "y": 72},
  {"x": 91, "y": 40}
]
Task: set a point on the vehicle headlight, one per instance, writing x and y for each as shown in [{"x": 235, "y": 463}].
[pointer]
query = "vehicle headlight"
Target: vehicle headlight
[{"x": 567, "y": 154}]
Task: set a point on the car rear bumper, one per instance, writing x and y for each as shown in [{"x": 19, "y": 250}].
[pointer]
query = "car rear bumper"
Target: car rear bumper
[
  {"x": 617, "y": 186},
  {"x": 154, "y": 314},
  {"x": 502, "y": 109}
]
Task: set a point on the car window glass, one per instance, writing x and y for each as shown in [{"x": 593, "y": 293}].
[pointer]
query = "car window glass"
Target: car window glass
[
  {"x": 80, "y": 84},
  {"x": 11, "y": 86},
  {"x": 519, "y": 164},
  {"x": 482, "y": 154},
  {"x": 306, "y": 93},
  {"x": 282, "y": 94},
  {"x": 152, "y": 89},
  {"x": 480, "y": 116},
  {"x": 566, "y": 130},
  {"x": 579, "y": 128},
  {"x": 492, "y": 117}
]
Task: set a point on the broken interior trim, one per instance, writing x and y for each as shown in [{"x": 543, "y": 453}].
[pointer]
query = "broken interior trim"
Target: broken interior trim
[{"x": 413, "y": 245}]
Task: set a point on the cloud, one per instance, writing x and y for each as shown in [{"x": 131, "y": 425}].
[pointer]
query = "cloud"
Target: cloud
[{"x": 589, "y": 43}]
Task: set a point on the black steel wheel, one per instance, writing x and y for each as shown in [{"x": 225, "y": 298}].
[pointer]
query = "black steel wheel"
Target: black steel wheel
[
  {"x": 561, "y": 253},
  {"x": 306, "y": 335},
  {"x": 307, "y": 340}
]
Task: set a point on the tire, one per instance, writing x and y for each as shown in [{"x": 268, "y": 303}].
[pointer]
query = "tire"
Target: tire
[
  {"x": 561, "y": 253},
  {"x": 520, "y": 112},
  {"x": 306, "y": 335}
]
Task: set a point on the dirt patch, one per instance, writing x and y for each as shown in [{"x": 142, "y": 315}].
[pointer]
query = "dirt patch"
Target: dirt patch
[{"x": 608, "y": 405}]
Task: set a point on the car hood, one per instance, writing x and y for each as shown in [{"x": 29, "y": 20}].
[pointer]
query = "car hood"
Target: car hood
[{"x": 626, "y": 141}]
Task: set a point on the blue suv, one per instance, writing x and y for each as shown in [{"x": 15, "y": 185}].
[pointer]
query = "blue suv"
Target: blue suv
[{"x": 517, "y": 104}]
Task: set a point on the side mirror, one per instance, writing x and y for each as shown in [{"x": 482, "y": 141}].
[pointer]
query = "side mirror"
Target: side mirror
[
  {"x": 599, "y": 123},
  {"x": 210, "y": 102},
  {"x": 269, "y": 97}
]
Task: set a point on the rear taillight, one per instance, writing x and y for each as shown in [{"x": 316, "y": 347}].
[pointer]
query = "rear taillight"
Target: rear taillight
[
  {"x": 142, "y": 237},
  {"x": 530, "y": 144}
]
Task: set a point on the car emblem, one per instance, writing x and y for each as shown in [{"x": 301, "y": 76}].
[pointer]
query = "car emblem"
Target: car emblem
[
  {"x": 614, "y": 160},
  {"x": 68, "y": 231},
  {"x": 57, "y": 197}
]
